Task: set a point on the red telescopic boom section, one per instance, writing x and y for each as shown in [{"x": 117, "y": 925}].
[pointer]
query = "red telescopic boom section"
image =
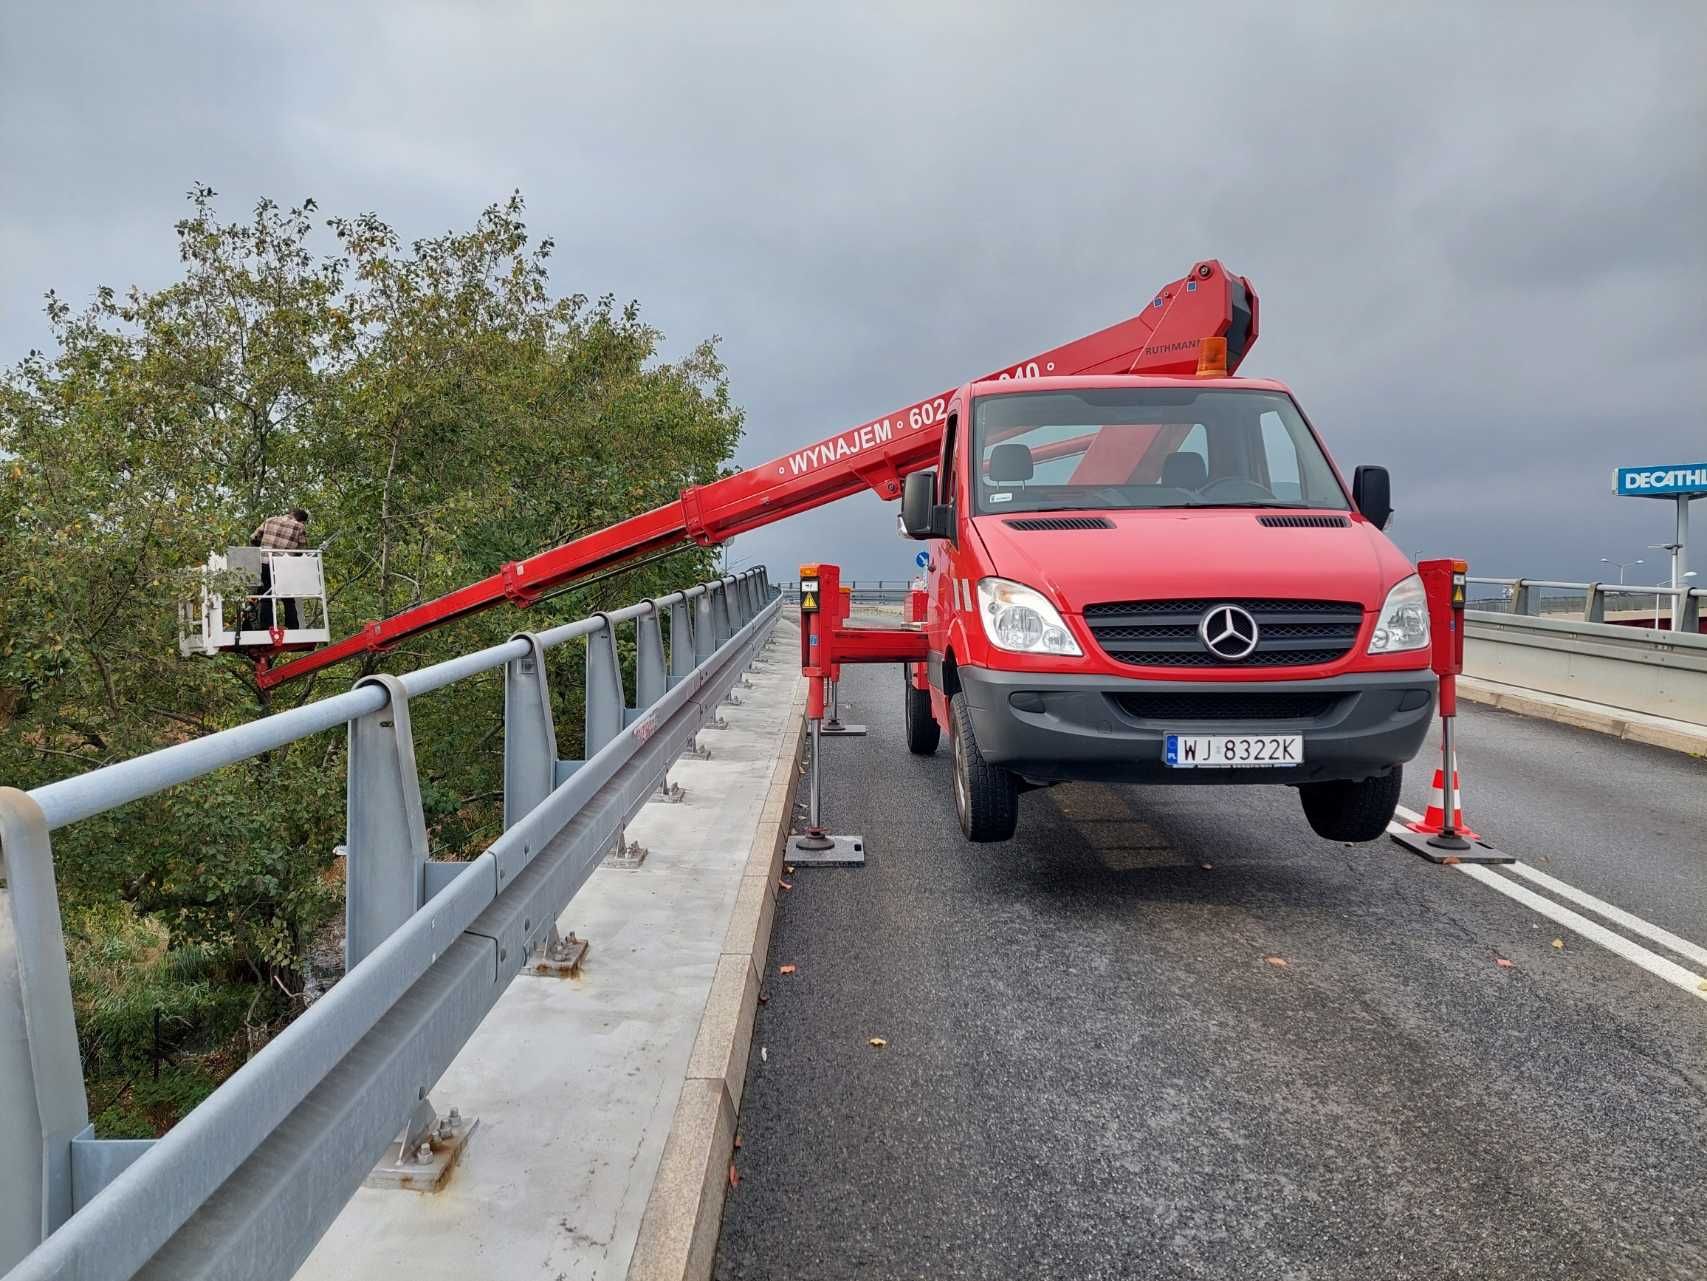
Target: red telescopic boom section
[{"x": 1163, "y": 339}]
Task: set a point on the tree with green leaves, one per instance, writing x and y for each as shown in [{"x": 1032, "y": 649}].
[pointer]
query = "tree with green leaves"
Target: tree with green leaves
[{"x": 440, "y": 411}]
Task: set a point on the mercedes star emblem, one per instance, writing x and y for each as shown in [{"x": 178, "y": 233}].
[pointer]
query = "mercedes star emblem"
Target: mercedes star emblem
[{"x": 1228, "y": 632}]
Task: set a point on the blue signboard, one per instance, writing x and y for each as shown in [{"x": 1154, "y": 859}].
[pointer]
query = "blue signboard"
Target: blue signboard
[
  {"x": 922, "y": 559},
  {"x": 1660, "y": 482}
]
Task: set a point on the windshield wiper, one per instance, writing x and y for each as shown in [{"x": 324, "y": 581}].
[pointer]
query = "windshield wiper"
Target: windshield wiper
[{"x": 1251, "y": 502}]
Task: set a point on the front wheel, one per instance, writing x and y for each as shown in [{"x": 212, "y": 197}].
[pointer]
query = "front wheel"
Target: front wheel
[
  {"x": 986, "y": 796},
  {"x": 1352, "y": 811},
  {"x": 922, "y": 729}
]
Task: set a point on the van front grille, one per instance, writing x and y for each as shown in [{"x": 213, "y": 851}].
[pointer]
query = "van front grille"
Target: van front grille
[{"x": 1163, "y": 633}]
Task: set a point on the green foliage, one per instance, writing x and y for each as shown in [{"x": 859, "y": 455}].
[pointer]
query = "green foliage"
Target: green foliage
[
  {"x": 159, "y": 1026},
  {"x": 437, "y": 409}
]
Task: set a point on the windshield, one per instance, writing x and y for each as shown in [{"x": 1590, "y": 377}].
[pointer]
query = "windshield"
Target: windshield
[{"x": 1146, "y": 447}]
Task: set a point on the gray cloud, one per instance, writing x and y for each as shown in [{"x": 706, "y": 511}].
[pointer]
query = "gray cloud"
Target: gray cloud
[{"x": 1476, "y": 229}]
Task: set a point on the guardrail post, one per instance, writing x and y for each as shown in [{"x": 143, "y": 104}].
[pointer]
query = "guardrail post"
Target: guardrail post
[
  {"x": 705, "y": 640},
  {"x": 605, "y": 697},
  {"x": 650, "y": 680},
  {"x": 681, "y": 640},
  {"x": 386, "y": 842},
  {"x": 1691, "y": 608},
  {"x": 530, "y": 734},
  {"x": 720, "y": 630},
  {"x": 42, "y": 1104},
  {"x": 1520, "y": 597},
  {"x": 741, "y": 612},
  {"x": 1594, "y": 604}
]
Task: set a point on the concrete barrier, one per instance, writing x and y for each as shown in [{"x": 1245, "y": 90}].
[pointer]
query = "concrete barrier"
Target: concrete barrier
[{"x": 1657, "y": 673}]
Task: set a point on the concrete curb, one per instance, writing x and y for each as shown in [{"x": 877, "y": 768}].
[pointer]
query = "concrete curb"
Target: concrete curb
[
  {"x": 679, "y": 1229},
  {"x": 1629, "y": 726}
]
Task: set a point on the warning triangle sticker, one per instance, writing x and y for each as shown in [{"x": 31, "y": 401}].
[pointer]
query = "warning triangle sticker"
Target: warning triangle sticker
[
  {"x": 808, "y": 603},
  {"x": 1458, "y": 595}
]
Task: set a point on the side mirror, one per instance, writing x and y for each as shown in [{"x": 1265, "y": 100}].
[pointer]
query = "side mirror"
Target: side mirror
[
  {"x": 1372, "y": 491},
  {"x": 921, "y": 517}
]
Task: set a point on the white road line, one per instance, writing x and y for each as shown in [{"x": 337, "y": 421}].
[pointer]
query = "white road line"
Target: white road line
[
  {"x": 1635, "y": 953},
  {"x": 1617, "y": 915}
]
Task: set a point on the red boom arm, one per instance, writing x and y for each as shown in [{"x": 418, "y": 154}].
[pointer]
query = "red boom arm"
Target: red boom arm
[{"x": 1161, "y": 339}]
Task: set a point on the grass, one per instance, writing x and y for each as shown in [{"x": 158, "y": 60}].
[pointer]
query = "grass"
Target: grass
[{"x": 160, "y": 1026}]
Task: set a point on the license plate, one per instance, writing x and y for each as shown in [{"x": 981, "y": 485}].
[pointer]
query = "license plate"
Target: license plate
[{"x": 1232, "y": 751}]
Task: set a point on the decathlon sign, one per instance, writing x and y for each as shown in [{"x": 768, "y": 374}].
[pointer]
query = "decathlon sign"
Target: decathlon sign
[{"x": 1660, "y": 482}]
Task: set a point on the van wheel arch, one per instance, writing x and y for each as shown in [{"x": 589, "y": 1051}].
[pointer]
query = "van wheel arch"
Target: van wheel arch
[{"x": 950, "y": 676}]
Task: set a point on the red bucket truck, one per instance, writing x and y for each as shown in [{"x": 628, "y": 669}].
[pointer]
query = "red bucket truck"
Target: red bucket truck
[{"x": 1144, "y": 579}]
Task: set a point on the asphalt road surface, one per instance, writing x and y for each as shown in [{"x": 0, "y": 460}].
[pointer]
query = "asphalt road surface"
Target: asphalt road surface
[{"x": 1168, "y": 1032}]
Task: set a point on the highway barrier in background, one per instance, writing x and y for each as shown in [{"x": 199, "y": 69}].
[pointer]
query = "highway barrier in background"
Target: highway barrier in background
[
  {"x": 1678, "y": 608},
  {"x": 869, "y": 591},
  {"x": 1576, "y": 647}
]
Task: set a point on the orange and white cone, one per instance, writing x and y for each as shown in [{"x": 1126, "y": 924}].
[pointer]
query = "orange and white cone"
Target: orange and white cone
[{"x": 1434, "y": 817}]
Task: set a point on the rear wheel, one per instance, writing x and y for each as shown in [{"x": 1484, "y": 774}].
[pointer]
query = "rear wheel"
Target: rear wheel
[
  {"x": 923, "y": 732},
  {"x": 986, "y": 796},
  {"x": 1352, "y": 811}
]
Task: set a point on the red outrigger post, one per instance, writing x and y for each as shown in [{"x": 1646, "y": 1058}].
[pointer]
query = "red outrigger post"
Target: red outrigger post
[{"x": 1163, "y": 338}]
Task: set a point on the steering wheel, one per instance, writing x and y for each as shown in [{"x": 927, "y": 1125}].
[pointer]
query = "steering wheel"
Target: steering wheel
[{"x": 1235, "y": 489}]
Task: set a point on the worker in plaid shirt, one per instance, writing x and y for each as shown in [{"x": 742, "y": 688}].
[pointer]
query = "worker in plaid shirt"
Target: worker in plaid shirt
[{"x": 287, "y": 532}]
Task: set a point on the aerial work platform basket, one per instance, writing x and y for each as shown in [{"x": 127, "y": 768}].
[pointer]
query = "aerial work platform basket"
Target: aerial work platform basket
[{"x": 283, "y": 608}]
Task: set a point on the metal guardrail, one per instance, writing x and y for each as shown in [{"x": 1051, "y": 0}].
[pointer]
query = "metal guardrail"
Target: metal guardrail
[
  {"x": 1637, "y": 669},
  {"x": 247, "y": 1182},
  {"x": 1531, "y": 596},
  {"x": 878, "y": 591}
]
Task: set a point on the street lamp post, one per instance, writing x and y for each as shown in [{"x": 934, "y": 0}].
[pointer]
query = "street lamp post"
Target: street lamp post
[
  {"x": 1621, "y": 566},
  {"x": 1675, "y": 550}
]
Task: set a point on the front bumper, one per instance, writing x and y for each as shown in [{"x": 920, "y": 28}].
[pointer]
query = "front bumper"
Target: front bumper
[{"x": 1077, "y": 727}]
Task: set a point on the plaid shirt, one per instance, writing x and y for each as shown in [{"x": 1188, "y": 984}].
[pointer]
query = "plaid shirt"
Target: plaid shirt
[{"x": 282, "y": 533}]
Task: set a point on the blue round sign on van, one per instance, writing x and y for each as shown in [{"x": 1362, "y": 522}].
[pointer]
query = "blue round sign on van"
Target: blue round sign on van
[
  {"x": 922, "y": 560},
  {"x": 1665, "y": 481}
]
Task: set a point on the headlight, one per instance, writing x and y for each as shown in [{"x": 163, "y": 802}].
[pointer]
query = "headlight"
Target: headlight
[
  {"x": 1403, "y": 622},
  {"x": 1019, "y": 619}
]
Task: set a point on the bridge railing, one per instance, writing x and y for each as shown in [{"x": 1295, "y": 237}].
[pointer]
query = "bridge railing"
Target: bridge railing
[
  {"x": 251, "y": 1178},
  {"x": 1603, "y": 643},
  {"x": 1550, "y": 598},
  {"x": 867, "y": 591}
]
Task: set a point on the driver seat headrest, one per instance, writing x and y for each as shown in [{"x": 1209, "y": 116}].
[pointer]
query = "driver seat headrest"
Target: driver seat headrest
[
  {"x": 1185, "y": 471},
  {"x": 1010, "y": 463}
]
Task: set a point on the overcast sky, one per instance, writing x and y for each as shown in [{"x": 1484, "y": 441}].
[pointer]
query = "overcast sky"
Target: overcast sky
[{"x": 1479, "y": 232}]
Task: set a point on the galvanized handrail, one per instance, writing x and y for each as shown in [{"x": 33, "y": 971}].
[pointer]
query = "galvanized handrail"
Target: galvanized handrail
[
  {"x": 251, "y": 1178},
  {"x": 887, "y": 591},
  {"x": 1520, "y": 597}
]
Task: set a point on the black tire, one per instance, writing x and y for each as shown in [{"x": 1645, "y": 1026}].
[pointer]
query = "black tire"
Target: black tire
[
  {"x": 1352, "y": 811},
  {"x": 986, "y": 796},
  {"x": 923, "y": 733}
]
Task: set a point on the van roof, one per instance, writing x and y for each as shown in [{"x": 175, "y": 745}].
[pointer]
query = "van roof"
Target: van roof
[{"x": 991, "y": 386}]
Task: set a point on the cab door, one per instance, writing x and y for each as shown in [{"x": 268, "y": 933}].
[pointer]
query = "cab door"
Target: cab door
[{"x": 941, "y": 587}]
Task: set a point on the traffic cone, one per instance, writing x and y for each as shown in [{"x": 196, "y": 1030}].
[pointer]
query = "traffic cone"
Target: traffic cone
[{"x": 1434, "y": 817}]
